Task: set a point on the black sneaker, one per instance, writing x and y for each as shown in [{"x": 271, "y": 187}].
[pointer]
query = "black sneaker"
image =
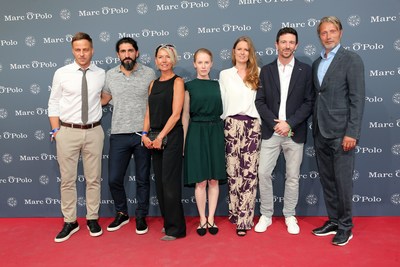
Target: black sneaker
[
  {"x": 68, "y": 230},
  {"x": 120, "y": 220},
  {"x": 141, "y": 226},
  {"x": 342, "y": 237},
  {"x": 94, "y": 228},
  {"x": 329, "y": 228}
]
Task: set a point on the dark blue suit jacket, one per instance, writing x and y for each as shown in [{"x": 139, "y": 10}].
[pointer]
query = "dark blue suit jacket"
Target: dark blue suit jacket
[{"x": 299, "y": 102}]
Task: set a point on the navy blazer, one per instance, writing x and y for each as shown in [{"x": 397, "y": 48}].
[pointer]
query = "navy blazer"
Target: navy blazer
[
  {"x": 299, "y": 102},
  {"x": 341, "y": 96}
]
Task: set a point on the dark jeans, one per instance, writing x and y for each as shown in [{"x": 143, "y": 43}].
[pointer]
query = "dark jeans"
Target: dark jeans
[{"x": 122, "y": 146}]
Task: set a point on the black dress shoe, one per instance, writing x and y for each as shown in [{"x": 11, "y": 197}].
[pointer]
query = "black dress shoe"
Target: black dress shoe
[
  {"x": 342, "y": 237},
  {"x": 329, "y": 228}
]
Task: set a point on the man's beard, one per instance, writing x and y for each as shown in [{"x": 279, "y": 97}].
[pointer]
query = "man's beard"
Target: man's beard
[{"x": 128, "y": 63}]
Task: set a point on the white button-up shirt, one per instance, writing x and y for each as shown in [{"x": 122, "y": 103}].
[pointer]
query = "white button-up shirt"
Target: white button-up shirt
[{"x": 65, "y": 98}]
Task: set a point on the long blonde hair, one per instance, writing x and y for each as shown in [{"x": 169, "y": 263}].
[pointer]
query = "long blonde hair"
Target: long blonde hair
[{"x": 252, "y": 74}]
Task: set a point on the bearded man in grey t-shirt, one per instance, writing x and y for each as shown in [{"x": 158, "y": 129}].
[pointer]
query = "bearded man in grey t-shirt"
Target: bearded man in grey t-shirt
[{"x": 127, "y": 86}]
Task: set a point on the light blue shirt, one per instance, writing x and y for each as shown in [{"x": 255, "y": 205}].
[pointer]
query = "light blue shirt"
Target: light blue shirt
[{"x": 325, "y": 63}]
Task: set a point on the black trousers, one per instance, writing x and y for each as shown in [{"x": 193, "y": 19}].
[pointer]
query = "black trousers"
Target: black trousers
[
  {"x": 336, "y": 168},
  {"x": 167, "y": 165}
]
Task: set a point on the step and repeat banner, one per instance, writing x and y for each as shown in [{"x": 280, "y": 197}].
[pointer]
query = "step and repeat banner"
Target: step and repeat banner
[{"x": 35, "y": 41}]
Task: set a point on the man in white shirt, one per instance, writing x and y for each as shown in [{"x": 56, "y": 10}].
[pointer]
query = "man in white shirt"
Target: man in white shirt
[
  {"x": 284, "y": 102},
  {"x": 75, "y": 112}
]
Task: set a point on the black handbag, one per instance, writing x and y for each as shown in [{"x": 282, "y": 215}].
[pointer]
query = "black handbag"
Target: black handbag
[{"x": 153, "y": 135}]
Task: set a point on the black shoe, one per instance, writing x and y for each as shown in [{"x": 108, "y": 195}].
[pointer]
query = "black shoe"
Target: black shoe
[
  {"x": 68, "y": 230},
  {"x": 120, "y": 220},
  {"x": 212, "y": 228},
  {"x": 202, "y": 229},
  {"x": 342, "y": 237},
  {"x": 141, "y": 226},
  {"x": 94, "y": 228},
  {"x": 329, "y": 228},
  {"x": 241, "y": 232}
]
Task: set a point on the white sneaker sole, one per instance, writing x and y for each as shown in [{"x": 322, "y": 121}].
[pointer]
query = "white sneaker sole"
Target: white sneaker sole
[
  {"x": 117, "y": 227},
  {"x": 99, "y": 233},
  {"x": 345, "y": 243},
  {"x": 142, "y": 232},
  {"x": 59, "y": 240},
  {"x": 325, "y": 234}
]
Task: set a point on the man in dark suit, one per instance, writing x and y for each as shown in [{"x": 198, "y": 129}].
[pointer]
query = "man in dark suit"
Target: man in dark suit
[
  {"x": 284, "y": 101},
  {"x": 338, "y": 77}
]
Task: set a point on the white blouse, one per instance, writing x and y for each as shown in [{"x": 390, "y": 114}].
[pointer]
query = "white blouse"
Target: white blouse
[{"x": 237, "y": 97}]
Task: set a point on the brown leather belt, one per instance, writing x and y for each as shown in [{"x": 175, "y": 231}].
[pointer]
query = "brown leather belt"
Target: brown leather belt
[{"x": 80, "y": 126}]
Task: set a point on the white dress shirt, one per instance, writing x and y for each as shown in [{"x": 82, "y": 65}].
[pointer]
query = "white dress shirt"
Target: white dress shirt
[
  {"x": 65, "y": 98},
  {"x": 285, "y": 73},
  {"x": 237, "y": 98}
]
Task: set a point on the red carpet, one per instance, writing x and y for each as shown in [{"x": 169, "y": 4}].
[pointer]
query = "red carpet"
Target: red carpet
[{"x": 29, "y": 242}]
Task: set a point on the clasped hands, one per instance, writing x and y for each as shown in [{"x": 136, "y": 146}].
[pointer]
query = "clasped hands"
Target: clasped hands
[
  {"x": 155, "y": 144},
  {"x": 283, "y": 128}
]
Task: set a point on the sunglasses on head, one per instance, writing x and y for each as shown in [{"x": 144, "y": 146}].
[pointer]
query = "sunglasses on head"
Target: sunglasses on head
[{"x": 165, "y": 46}]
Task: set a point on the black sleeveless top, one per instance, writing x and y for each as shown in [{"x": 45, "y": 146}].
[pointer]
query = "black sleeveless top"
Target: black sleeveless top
[{"x": 160, "y": 103}]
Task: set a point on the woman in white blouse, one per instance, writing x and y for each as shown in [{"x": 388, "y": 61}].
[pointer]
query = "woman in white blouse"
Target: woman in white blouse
[{"x": 239, "y": 85}]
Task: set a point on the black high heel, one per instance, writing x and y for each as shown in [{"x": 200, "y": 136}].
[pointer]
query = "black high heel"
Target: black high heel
[
  {"x": 202, "y": 229},
  {"x": 213, "y": 229}
]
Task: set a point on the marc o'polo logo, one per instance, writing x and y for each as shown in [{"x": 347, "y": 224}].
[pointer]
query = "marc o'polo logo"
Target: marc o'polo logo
[
  {"x": 142, "y": 8},
  {"x": 35, "y": 89},
  {"x": 30, "y": 41},
  {"x": 395, "y": 199},
  {"x": 354, "y": 20},
  {"x": 39, "y": 135},
  {"x": 3, "y": 113},
  {"x": 12, "y": 202},
  {"x": 266, "y": 26},
  {"x": 356, "y": 175},
  {"x": 44, "y": 179},
  {"x": 65, "y": 14},
  {"x": 225, "y": 54},
  {"x": 183, "y": 31},
  {"x": 311, "y": 199},
  {"x": 145, "y": 59},
  {"x": 7, "y": 158},
  {"x": 396, "y": 44},
  {"x": 81, "y": 202},
  {"x": 223, "y": 4},
  {"x": 396, "y": 149},
  {"x": 104, "y": 37},
  {"x": 310, "y": 50},
  {"x": 396, "y": 98},
  {"x": 154, "y": 201},
  {"x": 310, "y": 151}
]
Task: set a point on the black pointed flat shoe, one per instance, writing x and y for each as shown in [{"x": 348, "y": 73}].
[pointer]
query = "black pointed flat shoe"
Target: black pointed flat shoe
[
  {"x": 213, "y": 229},
  {"x": 202, "y": 229}
]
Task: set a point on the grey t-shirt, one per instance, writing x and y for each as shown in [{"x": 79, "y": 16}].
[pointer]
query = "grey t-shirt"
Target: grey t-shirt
[{"x": 129, "y": 97}]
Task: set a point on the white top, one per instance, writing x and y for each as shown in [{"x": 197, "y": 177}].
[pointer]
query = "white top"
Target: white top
[
  {"x": 285, "y": 73},
  {"x": 65, "y": 98},
  {"x": 237, "y": 98}
]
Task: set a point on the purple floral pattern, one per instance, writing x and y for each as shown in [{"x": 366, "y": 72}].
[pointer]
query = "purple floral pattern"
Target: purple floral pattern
[{"x": 242, "y": 150}]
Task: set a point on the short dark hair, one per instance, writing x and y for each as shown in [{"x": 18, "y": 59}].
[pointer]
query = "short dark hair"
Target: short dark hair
[
  {"x": 81, "y": 36},
  {"x": 286, "y": 30},
  {"x": 126, "y": 40}
]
